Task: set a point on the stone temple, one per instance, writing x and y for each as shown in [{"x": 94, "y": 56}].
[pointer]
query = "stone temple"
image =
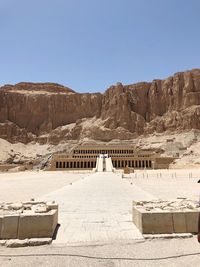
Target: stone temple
[{"x": 115, "y": 156}]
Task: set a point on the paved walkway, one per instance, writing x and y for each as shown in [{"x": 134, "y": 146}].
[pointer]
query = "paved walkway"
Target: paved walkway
[{"x": 97, "y": 208}]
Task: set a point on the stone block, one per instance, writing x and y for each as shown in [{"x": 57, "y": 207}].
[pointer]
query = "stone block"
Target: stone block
[
  {"x": 55, "y": 220},
  {"x": 157, "y": 223},
  {"x": 168, "y": 236},
  {"x": 137, "y": 218},
  {"x": 192, "y": 221},
  {"x": 153, "y": 222},
  {"x": 37, "y": 225},
  {"x": 126, "y": 170},
  {"x": 166, "y": 222},
  {"x": 2, "y": 243},
  {"x": 39, "y": 241},
  {"x": 52, "y": 206},
  {"x": 16, "y": 243},
  {"x": 9, "y": 226},
  {"x": 179, "y": 222}
]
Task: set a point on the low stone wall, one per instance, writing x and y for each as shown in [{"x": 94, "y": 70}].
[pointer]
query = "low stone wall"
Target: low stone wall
[
  {"x": 28, "y": 220},
  {"x": 166, "y": 217}
]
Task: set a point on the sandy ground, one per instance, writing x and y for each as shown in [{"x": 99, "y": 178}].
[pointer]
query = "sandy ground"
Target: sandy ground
[
  {"x": 168, "y": 184},
  {"x": 159, "y": 253},
  {"x": 22, "y": 186},
  {"x": 107, "y": 197}
]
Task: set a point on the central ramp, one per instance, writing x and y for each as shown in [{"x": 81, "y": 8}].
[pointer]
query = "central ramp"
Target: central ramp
[
  {"x": 99, "y": 165},
  {"x": 104, "y": 163},
  {"x": 109, "y": 165},
  {"x": 97, "y": 209}
]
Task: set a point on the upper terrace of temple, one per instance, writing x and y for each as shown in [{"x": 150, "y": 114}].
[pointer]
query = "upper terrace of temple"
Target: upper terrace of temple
[{"x": 111, "y": 150}]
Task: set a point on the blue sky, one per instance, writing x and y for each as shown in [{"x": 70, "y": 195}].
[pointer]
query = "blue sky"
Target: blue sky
[{"x": 89, "y": 45}]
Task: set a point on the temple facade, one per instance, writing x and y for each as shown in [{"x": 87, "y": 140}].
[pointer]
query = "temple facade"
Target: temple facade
[{"x": 85, "y": 157}]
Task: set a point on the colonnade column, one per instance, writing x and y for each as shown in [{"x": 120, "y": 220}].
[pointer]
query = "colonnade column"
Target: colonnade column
[{"x": 117, "y": 163}]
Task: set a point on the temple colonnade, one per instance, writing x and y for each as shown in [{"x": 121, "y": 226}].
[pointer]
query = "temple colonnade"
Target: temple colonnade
[
  {"x": 75, "y": 164},
  {"x": 117, "y": 163},
  {"x": 139, "y": 163}
]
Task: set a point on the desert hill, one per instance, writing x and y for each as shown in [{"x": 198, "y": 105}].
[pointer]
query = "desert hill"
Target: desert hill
[{"x": 50, "y": 113}]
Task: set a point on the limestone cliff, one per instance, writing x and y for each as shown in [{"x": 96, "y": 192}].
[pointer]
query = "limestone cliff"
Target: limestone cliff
[{"x": 47, "y": 112}]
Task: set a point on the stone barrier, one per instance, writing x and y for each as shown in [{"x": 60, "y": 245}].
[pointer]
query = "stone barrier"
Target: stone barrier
[
  {"x": 166, "y": 217},
  {"x": 28, "y": 220}
]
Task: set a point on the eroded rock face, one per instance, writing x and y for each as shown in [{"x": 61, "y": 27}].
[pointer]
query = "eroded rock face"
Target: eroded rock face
[{"x": 47, "y": 112}]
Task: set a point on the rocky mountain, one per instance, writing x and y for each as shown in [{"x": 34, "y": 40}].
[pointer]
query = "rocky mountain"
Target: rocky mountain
[{"x": 51, "y": 113}]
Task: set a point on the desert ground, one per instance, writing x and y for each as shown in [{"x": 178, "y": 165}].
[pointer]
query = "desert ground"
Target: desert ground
[{"x": 95, "y": 217}]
